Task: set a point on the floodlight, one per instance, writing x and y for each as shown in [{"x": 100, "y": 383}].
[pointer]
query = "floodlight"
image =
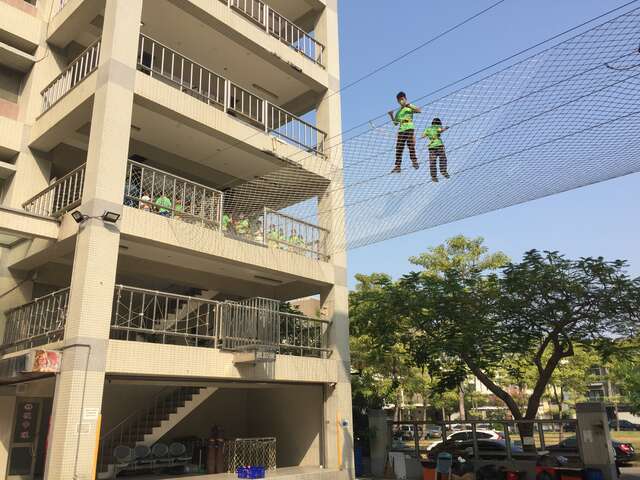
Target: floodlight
[{"x": 110, "y": 217}]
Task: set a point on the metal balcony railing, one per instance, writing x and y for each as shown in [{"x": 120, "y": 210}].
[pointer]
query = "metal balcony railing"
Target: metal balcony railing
[
  {"x": 280, "y": 27},
  {"x": 144, "y": 315},
  {"x": 61, "y": 196},
  {"x": 166, "y": 65},
  {"x": 288, "y": 233},
  {"x": 151, "y": 316},
  {"x": 38, "y": 322},
  {"x": 154, "y": 190},
  {"x": 83, "y": 65}
]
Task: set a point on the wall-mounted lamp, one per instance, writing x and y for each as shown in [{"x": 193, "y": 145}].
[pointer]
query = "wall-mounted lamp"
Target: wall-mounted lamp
[{"x": 107, "y": 216}]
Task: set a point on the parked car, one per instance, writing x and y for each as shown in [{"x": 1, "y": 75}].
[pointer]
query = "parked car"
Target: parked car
[
  {"x": 433, "y": 431},
  {"x": 491, "y": 449},
  {"x": 625, "y": 453},
  {"x": 625, "y": 425},
  {"x": 406, "y": 432},
  {"x": 464, "y": 435}
]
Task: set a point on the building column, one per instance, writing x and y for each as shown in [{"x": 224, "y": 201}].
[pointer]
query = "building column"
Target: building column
[
  {"x": 338, "y": 429},
  {"x": 79, "y": 386}
]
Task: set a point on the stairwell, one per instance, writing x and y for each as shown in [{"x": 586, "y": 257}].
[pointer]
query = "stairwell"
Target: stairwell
[
  {"x": 147, "y": 426},
  {"x": 183, "y": 309}
]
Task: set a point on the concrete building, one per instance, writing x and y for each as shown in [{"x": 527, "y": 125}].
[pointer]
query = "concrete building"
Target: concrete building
[{"x": 148, "y": 149}]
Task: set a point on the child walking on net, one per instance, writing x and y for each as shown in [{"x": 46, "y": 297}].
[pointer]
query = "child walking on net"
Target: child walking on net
[
  {"x": 403, "y": 118},
  {"x": 436, "y": 149}
]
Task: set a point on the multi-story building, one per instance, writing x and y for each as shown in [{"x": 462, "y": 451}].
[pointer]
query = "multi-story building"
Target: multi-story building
[{"x": 148, "y": 152}]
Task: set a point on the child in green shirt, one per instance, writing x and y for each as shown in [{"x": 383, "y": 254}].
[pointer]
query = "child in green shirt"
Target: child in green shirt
[
  {"x": 436, "y": 148},
  {"x": 403, "y": 119}
]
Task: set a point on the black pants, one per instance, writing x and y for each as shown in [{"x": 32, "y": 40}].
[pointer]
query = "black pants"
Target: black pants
[
  {"x": 435, "y": 154},
  {"x": 409, "y": 138}
]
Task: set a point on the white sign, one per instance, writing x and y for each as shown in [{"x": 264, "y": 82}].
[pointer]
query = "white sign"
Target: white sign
[{"x": 90, "y": 414}]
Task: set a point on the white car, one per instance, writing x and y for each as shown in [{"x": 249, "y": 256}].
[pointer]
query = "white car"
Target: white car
[{"x": 463, "y": 435}]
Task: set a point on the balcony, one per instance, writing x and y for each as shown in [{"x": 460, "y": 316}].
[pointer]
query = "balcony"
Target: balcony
[
  {"x": 38, "y": 322},
  {"x": 268, "y": 19},
  {"x": 280, "y": 27},
  {"x": 195, "y": 80},
  {"x": 161, "y": 193},
  {"x": 149, "y": 316}
]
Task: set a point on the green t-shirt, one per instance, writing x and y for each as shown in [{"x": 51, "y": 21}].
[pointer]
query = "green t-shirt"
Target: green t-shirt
[
  {"x": 226, "y": 220},
  {"x": 163, "y": 201},
  {"x": 404, "y": 118},
  {"x": 433, "y": 134}
]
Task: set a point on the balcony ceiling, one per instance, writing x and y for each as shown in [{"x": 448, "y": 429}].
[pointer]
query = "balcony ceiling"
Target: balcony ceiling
[{"x": 192, "y": 38}]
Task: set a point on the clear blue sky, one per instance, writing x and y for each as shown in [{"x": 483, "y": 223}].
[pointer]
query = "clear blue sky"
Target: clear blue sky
[{"x": 597, "y": 220}]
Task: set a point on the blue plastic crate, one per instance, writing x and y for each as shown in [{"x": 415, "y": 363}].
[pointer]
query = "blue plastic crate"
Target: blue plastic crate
[{"x": 250, "y": 472}]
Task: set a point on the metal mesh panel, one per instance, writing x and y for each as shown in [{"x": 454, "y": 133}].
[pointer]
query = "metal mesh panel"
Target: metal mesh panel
[
  {"x": 251, "y": 323},
  {"x": 255, "y": 452}
]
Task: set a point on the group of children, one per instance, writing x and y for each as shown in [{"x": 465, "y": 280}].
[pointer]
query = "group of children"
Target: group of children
[{"x": 403, "y": 119}]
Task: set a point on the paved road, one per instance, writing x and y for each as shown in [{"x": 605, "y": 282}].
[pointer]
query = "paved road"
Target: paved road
[{"x": 631, "y": 473}]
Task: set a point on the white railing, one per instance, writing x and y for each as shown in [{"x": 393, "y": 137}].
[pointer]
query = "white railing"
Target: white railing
[
  {"x": 289, "y": 233},
  {"x": 59, "y": 197},
  {"x": 161, "y": 62},
  {"x": 280, "y": 27},
  {"x": 78, "y": 70},
  {"x": 294, "y": 130},
  {"x": 150, "y": 316},
  {"x": 38, "y": 322},
  {"x": 154, "y": 190},
  {"x": 168, "y": 66},
  {"x": 293, "y": 36}
]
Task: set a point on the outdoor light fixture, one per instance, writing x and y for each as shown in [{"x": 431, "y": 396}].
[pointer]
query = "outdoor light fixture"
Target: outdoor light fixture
[
  {"x": 110, "y": 217},
  {"x": 107, "y": 216},
  {"x": 79, "y": 217}
]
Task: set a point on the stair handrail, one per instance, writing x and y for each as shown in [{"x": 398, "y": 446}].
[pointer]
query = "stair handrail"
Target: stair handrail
[{"x": 137, "y": 412}]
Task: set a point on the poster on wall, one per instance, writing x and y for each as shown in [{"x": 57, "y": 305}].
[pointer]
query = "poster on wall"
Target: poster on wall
[{"x": 43, "y": 361}]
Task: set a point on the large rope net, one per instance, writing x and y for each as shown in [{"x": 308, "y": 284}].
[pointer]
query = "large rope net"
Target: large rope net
[{"x": 563, "y": 118}]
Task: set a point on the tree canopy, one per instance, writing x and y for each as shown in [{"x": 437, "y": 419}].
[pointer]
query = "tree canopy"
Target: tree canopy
[{"x": 468, "y": 311}]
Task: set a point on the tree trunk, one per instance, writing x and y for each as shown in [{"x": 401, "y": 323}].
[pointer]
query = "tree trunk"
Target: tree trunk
[{"x": 461, "y": 408}]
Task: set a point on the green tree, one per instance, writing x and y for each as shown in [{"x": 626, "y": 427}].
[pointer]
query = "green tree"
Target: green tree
[
  {"x": 464, "y": 255},
  {"x": 535, "y": 313},
  {"x": 624, "y": 372}
]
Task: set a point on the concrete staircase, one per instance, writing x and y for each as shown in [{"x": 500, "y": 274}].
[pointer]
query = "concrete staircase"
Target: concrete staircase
[
  {"x": 162, "y": 426},
  {"x": 148, "y": 425},
  {"x": 184, "y": 309}
]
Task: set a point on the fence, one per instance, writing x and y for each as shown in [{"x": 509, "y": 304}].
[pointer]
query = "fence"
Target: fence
[
  {"x": 59, "y": 197},
  {"x": 192, "y": 78},
  {"x": 38, "y": 322},
  {"x": 154, "y": 190},
  {"x": 156, "y": 317},
  {"x": 486, "y": 439},
  {"x": 294, "y": 235},
  {"x": 280, "y": 27},
  {"x": 250, "y": 451},
  {"x": 160, "y": 62},
  {"x": 78, "y": 70},
  {"x": 251, "y": 323}
]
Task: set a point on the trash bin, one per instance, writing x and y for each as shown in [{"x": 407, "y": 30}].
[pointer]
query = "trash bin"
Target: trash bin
[
  {"x": 593, "y": 474},
  {"x": 357, "y": 458}
]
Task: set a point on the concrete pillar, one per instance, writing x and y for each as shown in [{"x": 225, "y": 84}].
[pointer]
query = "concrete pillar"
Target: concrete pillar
[
  {"x": 594, "y": 438},
  {"x": 338, "y": 445},
  {"x": 380, "y": 441},
  {"x": 78, "y": 395}
]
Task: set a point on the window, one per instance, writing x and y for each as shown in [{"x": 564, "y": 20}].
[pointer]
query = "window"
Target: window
[
  {"x": 483, "y": 435},
  {"x": 459, "y": 436},
  {"x": 9, "y": 84}
]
